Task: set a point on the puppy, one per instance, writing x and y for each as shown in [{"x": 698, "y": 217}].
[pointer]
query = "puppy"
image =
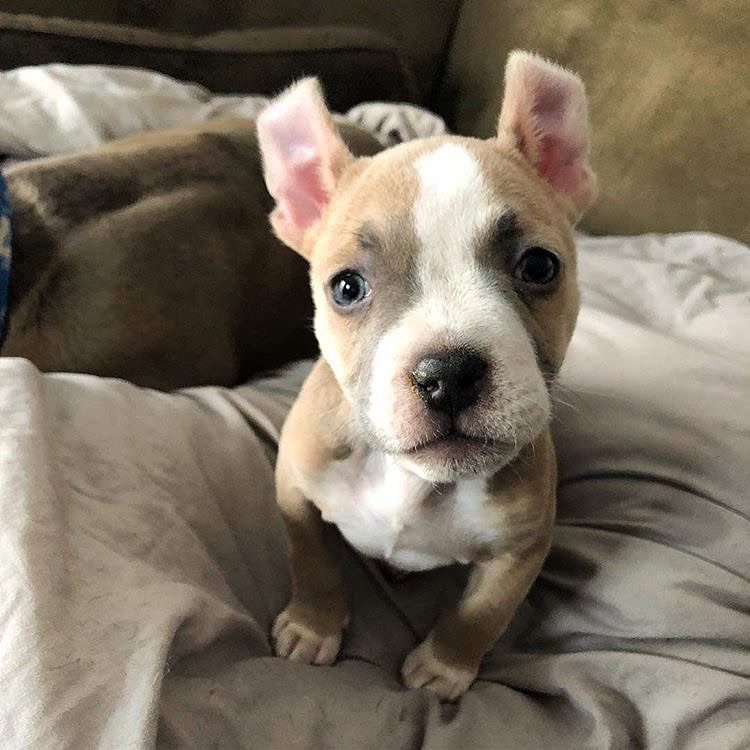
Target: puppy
[
  {"x": 151, "y": 259},
  {"x": 444, "y": 280}
]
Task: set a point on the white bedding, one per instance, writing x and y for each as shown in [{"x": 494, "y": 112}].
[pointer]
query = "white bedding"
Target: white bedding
[
  {"x": 139, "y": 531},
  {"x": 142, "y": 556},
  {"x": 53, "y": 109}
]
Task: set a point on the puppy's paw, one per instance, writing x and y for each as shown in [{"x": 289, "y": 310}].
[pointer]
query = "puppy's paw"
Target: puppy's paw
[
  {"x": 423, "y": 668},
  {"x": 297, "y": 641}
]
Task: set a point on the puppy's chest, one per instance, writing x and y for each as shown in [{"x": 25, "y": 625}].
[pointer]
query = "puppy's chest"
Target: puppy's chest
[{"x": 391, "y": 514}]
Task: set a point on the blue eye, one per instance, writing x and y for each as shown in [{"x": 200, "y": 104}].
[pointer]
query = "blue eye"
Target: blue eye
[{"x": 348, "y": 288}]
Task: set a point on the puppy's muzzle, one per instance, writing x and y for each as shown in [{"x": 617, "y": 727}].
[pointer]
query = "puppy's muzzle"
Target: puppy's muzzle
[{"x": 450, "y": 382}]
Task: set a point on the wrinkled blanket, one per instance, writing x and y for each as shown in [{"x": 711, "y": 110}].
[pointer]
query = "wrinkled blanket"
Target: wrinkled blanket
[
  {"x": 143, "y": 558},
  {"x": 55, "y": 109}
]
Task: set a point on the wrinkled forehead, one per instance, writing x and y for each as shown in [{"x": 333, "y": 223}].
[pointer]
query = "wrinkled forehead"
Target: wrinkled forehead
[{"x": 452, "y": 193}]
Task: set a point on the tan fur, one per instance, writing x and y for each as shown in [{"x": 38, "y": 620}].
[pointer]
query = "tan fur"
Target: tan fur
[
  {"x": 317, "y": 428},
  {"x": 546, "y": 217},
  {"x": 381, "y": 189}
]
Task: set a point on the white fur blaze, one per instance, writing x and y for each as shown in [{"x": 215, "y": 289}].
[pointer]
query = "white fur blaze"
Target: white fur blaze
[{"x": 458, "y": 305}]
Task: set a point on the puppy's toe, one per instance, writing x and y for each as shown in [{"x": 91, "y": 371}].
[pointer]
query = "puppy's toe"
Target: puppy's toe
[
  {"x": 422, "y": 668},
  {"x": 297, "y": 642}
]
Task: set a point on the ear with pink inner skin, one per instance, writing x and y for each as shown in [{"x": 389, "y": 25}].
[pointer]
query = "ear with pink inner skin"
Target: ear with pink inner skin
[
  {"x": 545, "y": 116},
  {"x": 303, "y": 157}
]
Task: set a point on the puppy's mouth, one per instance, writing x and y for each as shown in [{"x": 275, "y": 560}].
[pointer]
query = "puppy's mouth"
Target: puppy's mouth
[
  {"x": 454, "y": 454},
  {"x": 453, "y": 443}
]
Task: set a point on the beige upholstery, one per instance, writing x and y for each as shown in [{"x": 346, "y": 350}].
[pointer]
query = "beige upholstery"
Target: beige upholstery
[{"x": 668, "y": 84}]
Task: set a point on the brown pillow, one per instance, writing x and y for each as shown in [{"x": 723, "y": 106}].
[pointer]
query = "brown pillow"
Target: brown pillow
[{"x": 668, "y": 95}]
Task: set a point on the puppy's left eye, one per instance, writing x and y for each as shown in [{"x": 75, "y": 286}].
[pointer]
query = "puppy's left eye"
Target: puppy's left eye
[
  {"x": 537, "y": 266},
  {"x": 348, "y": 288}
]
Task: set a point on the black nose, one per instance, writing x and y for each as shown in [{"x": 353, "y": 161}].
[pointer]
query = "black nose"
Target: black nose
[{"x": 450, "y": 382}]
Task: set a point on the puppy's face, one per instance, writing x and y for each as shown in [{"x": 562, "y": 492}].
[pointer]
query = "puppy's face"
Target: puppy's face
[
  {"x": 445, "y": 293},
  {"x": 443, "y": 274}
]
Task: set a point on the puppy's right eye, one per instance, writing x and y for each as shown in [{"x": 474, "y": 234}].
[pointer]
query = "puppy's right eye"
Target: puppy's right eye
[{"x": 349, "y": 288}]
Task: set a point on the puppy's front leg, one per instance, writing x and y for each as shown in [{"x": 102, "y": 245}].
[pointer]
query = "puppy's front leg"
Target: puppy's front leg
[
  {"x": 310, "y": 629},
  {"x": 447, "y": 661}
]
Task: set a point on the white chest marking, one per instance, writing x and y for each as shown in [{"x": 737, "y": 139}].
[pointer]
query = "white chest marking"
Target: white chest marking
[{"x": 388, "y": 512}]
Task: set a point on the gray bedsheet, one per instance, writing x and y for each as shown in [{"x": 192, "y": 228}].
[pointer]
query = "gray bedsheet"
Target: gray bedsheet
[{"x": 143, "y": 559}]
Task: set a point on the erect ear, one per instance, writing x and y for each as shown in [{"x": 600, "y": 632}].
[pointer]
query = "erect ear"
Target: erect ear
[
  {"x": 303, "y": 157},
  {"x": 545, "y": 116}
]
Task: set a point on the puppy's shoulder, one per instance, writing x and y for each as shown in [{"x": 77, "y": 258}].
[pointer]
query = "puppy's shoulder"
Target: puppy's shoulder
[{"x": 318, "y": 429}]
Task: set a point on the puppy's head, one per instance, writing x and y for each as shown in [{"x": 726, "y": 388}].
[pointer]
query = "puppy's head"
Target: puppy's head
[{"x": 443, "y": 270}]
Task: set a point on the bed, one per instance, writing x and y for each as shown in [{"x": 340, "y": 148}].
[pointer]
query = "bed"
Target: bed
[{"x": 143, "y": 557}]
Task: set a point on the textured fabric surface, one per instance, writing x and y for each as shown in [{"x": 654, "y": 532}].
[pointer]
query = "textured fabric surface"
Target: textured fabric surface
[
  {"x": 668, "y": 99},
  {"x": 143, "y": 557}
]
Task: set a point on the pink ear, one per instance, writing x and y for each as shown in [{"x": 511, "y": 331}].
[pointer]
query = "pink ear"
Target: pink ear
[
  {"x": 303, "y": 156},
  {"x": 545, "y": 115}
]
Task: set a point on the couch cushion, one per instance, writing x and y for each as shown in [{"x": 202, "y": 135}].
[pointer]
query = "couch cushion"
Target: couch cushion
[
  {"x": 669, "y": 104},
  {"x": 420, "y": 28},
  {"x": 354, "y": 64}
]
